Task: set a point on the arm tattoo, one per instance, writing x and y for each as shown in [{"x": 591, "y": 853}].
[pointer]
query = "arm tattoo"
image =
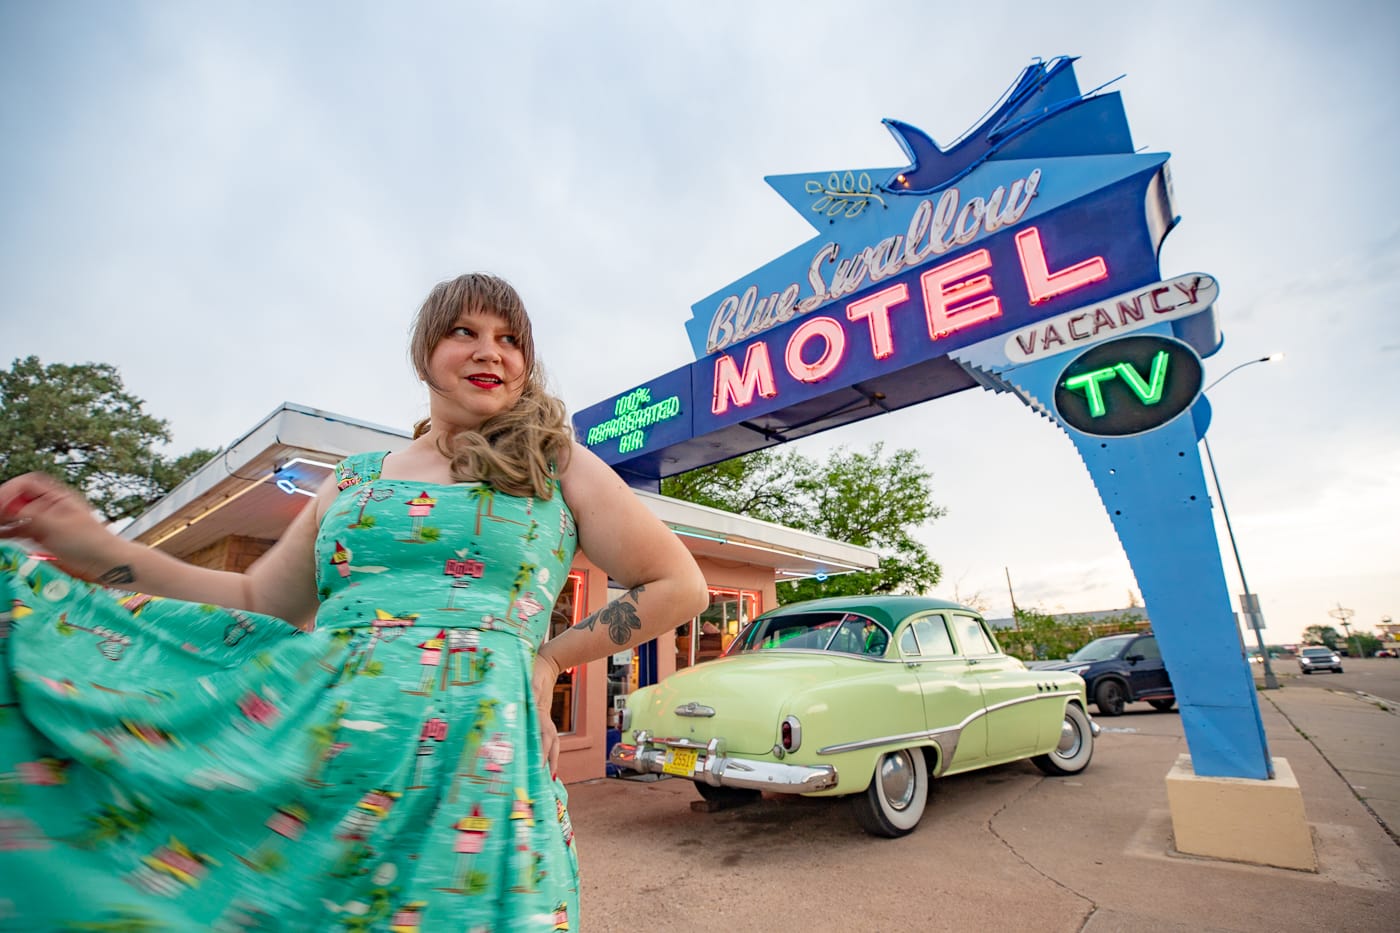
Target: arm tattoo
[
  {"x": 117, "y": 576},
  {"x": 619, "y": 616}
]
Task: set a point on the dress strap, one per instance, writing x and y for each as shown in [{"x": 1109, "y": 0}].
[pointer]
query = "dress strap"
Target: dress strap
[{"x": 359, "y": 468}]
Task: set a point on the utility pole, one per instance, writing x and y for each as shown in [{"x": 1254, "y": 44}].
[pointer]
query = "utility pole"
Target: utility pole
[
  {"x": 1015, "y": 620},
  {"x": 1343, "y": 617}
]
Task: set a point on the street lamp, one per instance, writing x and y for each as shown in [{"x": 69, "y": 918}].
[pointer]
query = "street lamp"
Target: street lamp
[{"x": 1250, "y": 607}]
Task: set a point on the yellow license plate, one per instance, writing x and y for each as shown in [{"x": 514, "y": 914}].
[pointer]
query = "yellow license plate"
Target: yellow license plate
[{"x": 680, "y": 761}]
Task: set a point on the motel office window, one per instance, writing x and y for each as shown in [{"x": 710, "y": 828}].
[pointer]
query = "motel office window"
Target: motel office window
[
  {"x": 705, "y": 637},
  {"x": 567, "y": 609},
  {"x": 708, "y": 635}
]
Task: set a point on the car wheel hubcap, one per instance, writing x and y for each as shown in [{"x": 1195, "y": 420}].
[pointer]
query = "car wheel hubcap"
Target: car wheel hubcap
[
  {"x": 1069, "y": 739},
  {"x": 897, "y": 780}
]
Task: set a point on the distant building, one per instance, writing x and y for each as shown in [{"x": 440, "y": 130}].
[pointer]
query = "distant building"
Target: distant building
[
  {"x": 1092, "y": 617},
  {"x": 1389, "y": 633}
]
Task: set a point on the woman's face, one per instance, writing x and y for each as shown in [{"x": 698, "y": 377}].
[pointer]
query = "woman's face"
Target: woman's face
[{"x": 478, "y": 369}]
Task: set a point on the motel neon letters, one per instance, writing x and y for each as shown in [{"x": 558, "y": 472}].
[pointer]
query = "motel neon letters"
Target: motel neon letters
[
  {"x": 933, "y": 230},
  {"x": 955, "y": 295}
]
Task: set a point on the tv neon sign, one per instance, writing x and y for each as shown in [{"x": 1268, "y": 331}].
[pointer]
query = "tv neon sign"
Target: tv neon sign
[
  {"x": 1148, "y": 392},
  {"x": 633, "y": 413},
  {"x": 954, "y": 295},
  {"x": 1128, "y": 386}
]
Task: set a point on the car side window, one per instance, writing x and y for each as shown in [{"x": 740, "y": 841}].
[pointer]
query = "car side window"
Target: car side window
[
  {"x": 973, "y": 639},
  {"x": 932, "y": 635},
  {"x": 849, "y": 639},
  {"x": 875, "y": 639},
  {"x": 1147, "y": 647}
]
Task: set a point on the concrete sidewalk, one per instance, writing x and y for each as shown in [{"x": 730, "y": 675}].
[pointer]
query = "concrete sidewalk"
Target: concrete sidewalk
[
  {"x": 1009, "y": 849},
  {"x": 1359, "y": 736}
]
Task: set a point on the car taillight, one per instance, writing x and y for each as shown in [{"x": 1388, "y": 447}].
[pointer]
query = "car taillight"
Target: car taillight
[{"x": 790, "y": 734}]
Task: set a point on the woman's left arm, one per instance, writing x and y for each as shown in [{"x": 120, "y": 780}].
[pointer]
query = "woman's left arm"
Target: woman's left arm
[
  {"x": 621, "y": 536},
  {"x": 625, "y": 540}
]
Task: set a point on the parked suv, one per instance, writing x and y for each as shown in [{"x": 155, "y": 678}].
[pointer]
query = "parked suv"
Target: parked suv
[
  {"x": 1318, "y": 658},
  {"x": 1121, "y": 669}
]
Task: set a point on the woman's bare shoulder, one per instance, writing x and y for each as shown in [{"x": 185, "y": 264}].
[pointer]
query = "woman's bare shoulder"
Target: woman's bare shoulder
[
  {"x": 584, "y": 468},
  {"x": 592, "y": 487}
]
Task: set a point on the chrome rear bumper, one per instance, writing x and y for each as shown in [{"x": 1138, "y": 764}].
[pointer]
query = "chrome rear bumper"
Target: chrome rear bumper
[{"x": 648, "y": 756}]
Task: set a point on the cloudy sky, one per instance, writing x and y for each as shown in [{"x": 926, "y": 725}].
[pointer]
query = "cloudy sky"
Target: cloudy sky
[{"x": 243, "y": 204}]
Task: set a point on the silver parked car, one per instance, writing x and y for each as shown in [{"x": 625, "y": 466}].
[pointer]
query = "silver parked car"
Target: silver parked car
[{"x": 1319, "y": 658}]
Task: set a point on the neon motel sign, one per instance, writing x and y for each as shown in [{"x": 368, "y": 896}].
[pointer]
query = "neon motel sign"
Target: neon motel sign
[
  {"x": 1035, "y": 235},
  {"x": 1024, "y": 259},
  {"x": 952, "y": 295}
]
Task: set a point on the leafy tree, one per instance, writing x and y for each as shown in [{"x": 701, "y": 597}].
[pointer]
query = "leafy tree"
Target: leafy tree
[
  {"x": 1363, "y": 644},
  {"x": 755, "y": 485},
  {"x": 1322, "y": 635},
  {"x": 866, "y": 499},
  {"x": 1037, "y": 636},
  {"x": 78, "y": 424}
]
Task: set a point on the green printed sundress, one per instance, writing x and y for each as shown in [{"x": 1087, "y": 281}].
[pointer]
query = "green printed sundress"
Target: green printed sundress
[{"x": 166, "y": 765}]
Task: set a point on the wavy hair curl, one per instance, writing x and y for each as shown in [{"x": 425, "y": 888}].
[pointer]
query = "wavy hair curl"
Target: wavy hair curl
[{"x": 521, "y": 451}]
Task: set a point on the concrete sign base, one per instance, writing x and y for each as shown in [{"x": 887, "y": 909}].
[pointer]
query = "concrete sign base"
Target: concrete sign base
[{"x": 1241, "y": 819}]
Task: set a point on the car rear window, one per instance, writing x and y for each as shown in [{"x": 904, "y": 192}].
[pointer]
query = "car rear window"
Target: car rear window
[{"x": 844, "y": 632}]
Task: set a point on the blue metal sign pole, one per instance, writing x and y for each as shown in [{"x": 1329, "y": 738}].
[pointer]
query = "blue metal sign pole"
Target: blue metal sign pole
[{"x": 1153, "y": 487}]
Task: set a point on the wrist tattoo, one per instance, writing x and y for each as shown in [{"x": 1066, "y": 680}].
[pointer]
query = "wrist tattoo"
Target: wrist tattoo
[
  {"x": 620, "y": 617},
  {"x": 117, "y": 576}
]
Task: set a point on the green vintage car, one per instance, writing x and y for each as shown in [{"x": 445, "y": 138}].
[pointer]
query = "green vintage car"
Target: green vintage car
[{"x": 866, "y": 696}]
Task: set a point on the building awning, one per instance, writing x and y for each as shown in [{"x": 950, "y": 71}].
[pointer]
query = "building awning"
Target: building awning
[
  {"x": 264, "y": 478},
  {"x": 792, "y": 554},
  {"x": 270, "y": 473}
]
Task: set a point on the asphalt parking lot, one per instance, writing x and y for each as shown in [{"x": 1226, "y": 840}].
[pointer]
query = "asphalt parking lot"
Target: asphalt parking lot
[{"x": 1006, "y": 848}]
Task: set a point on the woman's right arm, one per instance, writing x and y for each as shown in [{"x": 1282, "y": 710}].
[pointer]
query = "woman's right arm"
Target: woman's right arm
[{"x": 281, "y": 583}]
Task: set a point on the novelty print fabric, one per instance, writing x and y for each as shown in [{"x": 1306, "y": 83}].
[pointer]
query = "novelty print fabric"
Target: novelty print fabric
[{"x": 172, "y": 766}]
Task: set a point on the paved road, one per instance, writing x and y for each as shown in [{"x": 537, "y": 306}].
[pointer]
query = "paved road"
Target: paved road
[
  {"x": 1378, "y": 677},
  {"x": 1009, "y": 849}
]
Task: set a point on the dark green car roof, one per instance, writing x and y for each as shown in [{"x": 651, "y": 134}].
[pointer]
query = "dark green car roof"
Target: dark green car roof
[{"x": 889, "y": 610}]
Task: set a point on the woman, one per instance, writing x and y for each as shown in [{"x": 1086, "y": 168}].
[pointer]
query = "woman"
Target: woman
[{"x": 356, "y": 740}]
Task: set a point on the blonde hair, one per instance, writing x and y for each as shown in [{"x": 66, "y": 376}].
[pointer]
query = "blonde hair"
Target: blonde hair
[{"x": 520, "y": 451}]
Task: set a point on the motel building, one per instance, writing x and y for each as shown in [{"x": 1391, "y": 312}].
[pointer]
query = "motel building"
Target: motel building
[{"x": 235, "y": 507}]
